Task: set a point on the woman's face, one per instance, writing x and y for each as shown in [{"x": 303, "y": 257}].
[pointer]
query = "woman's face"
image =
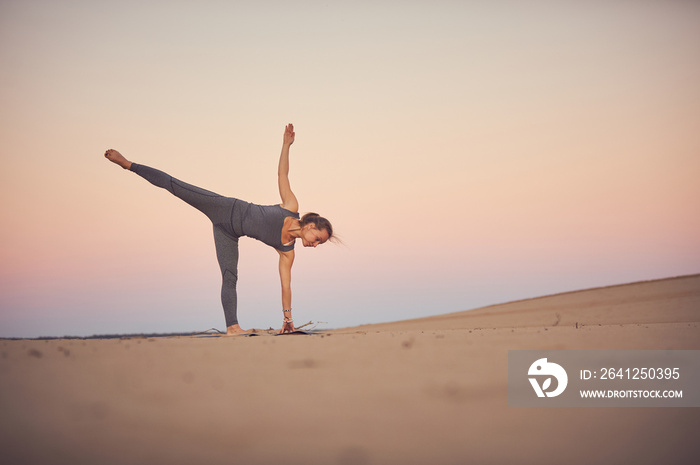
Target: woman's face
[{"x": 311, "y": 236}]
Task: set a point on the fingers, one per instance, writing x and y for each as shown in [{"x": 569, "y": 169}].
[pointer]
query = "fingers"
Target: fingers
[{"x": 287, "y": 328}]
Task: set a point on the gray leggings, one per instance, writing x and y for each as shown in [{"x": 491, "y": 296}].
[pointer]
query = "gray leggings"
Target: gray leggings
[{"x": 222, "y": 213}]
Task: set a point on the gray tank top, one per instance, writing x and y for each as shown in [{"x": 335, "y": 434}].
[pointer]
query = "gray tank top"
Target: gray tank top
[{"x": 265, "y": 222}]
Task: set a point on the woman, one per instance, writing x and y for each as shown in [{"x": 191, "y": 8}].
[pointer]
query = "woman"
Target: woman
[{"x": 278, "y": 226}]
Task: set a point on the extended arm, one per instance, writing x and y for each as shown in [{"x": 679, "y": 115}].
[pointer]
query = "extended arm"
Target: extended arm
[
  {"x": 285, "y": 267},
  {"x": 289, "y": 200}
]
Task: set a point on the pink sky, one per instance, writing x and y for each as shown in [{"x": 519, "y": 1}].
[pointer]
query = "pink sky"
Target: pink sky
[{"x": 468, "y": 154}]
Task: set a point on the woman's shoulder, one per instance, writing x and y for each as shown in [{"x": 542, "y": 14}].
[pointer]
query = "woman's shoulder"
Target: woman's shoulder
[{"x": 294, "y": 213}]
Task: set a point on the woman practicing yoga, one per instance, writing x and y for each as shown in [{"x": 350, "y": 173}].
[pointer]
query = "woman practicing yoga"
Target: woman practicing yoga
[{"x": 278, "y": 226}]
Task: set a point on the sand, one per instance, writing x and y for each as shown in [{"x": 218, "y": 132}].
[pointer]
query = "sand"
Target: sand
[{"x": 426, "y": 391}]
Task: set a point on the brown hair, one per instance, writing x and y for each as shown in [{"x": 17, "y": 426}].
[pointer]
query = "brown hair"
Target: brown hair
[{"x": 318, "y": 221}]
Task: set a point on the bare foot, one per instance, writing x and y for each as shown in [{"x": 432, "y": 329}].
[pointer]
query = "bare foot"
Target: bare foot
[
  {"x": 118, "y": 158},
  {"x": 235, "y": 330}
]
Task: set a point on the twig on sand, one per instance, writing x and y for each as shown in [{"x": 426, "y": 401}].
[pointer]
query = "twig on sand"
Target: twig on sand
[
  {"x": 210, "y": 329},
  {"x": 305, "y": 324},
  {"x": 310, "y": 323}
]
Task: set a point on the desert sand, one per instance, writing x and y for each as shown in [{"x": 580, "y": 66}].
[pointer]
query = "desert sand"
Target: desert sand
[{"x": 425, "y": 391}]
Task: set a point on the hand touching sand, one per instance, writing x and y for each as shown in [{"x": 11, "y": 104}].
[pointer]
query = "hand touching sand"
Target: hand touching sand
[{"x": 288, "y": 327}]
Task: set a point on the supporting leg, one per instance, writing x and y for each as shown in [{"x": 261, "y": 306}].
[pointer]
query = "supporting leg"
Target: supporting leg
[{"x": 227, "y": 254}]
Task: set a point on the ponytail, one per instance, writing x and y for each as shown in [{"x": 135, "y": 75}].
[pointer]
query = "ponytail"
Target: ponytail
[{"x": 318, "y": 221}]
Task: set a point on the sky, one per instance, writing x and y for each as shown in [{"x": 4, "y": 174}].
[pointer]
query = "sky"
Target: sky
[{"x": 468, "y": 153}]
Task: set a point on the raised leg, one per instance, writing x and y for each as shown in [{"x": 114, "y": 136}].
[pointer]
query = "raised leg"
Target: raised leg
[
  {"x": 216, "y": 207},
  {"x": 116, "y": 157}
]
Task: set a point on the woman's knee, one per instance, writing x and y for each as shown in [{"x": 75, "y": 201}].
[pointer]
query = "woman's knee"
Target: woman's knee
[{"x": 230, "y": 278}]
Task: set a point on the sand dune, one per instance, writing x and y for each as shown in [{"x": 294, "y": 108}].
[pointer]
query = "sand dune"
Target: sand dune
[
  {"x": 431, "y": 390},
  {"x": 674, "y": 300}
]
